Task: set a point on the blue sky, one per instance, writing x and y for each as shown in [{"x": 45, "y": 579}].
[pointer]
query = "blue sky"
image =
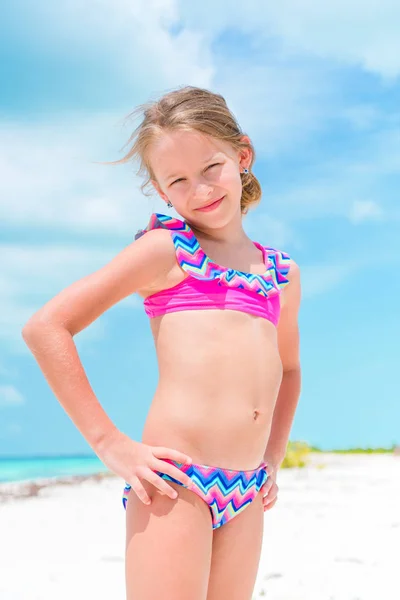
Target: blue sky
[{"x": 316, "y": 87}]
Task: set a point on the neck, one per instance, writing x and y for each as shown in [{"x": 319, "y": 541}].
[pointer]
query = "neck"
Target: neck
[{"x": 231, "y": 234}]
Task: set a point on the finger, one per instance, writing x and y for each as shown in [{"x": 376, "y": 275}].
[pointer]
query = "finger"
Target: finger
[
  {"x": 172, "y": 471},
  {"x": 161, "y": 452},
  {"x": 268, "y": 484},
  {"x": 271, "y": 504},
  {"x": 139, "y": 490},
  {"x": 160, "y": 484},
  {"x": 273, "y": 489},
  {"x": 266, "y": 489},
  {"x": 270, "y": 496},
  {"x": 268, "y": 499}
]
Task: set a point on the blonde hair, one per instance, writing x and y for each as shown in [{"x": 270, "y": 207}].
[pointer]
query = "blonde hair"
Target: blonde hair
[{"x": 191, "y": 109}]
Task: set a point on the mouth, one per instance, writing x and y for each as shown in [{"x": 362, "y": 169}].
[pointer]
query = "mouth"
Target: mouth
[{"x": 212, "y": 205}]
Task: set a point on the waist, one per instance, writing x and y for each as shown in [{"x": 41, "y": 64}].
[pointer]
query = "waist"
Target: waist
[{"x": 227, "y": 432}]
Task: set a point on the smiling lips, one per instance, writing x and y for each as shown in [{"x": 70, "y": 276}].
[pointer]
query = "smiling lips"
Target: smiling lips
[{"x": 211, "y": 206}]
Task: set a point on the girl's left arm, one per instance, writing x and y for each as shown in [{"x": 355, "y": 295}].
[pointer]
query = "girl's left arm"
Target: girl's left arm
[{"x": 289, "y": 350}]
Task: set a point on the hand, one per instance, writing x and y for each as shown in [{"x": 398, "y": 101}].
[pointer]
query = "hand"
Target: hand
[
  {"x": 270, "y": 488},
  {"x": 134, "y": 461}
]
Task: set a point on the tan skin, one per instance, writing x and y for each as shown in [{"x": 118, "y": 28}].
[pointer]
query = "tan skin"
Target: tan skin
[{"x": 214, "y": 367}]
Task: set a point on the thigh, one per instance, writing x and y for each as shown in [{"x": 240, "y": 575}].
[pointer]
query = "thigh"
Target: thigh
[
  {"x": 236, "y": 554},
  {"x": 168, "y": 546}
]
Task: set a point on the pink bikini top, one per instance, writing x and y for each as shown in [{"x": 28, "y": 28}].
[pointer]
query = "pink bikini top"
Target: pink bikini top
[{"x": 210, "y": 286}]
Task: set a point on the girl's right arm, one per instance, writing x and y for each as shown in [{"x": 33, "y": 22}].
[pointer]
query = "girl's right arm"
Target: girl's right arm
[{"x": 49, "y": 335}]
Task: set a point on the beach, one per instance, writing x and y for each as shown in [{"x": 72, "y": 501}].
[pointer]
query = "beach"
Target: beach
[{"x": 334, "y": 534}]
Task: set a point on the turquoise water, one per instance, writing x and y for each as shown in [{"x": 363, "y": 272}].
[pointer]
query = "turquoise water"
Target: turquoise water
[{"x": 30, "y": 468}]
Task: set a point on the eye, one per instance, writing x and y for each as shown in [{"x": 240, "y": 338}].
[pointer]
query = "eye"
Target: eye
[
  {"x": 182, "y": 178},
  {"x": 176, "y": 181}
]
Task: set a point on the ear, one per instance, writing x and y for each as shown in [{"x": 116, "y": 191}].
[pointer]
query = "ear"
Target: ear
[
  {"x": 159, "y": 190},
  {"x": 245, "y": 155}
]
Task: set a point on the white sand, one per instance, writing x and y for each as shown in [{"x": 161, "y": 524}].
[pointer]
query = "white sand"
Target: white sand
[{"x": 334, "y": 534}]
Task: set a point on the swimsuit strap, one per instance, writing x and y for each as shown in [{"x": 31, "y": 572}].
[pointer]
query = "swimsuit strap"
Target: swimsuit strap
[
  {"x": 281, "y": 262},
  {"x": 194, "y": 261}
]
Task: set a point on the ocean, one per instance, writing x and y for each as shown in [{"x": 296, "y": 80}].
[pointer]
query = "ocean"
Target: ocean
[{"x": 31, "y": 468}]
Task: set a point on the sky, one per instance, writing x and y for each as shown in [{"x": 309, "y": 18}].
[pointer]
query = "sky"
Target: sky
[{"x": 317, "y": 88}]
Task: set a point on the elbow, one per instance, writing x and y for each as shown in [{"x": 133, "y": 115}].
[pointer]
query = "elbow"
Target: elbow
[
  {"x": 35, "y": 327},
  {"x": 39, "y": 326},
  {"x": 30, "y": 330}
]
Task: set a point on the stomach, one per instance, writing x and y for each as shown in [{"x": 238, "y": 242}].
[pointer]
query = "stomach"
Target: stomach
[{"x": 219, "y": 378}]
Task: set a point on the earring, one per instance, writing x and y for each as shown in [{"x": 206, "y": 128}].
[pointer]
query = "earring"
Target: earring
[
  {"x": 245, "y": 171},
  {"x": 169, "y": 204}
]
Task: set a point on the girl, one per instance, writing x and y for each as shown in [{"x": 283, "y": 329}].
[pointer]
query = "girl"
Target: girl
[{"x": 223, "y": 311}]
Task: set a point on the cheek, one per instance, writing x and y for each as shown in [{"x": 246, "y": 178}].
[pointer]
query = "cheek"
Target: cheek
[
  {"x": 231, "y": 179},
  {"x": 178, "y": 190}
]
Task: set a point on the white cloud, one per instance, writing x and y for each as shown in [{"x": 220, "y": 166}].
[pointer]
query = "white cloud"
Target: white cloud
[
  {"x": 32, "y": 275},
  {"x": 349, "y": 32},
  {"x": 364, "y": 117},
  {"x": 132, "y": 40},
  {"x": 10, "y": 396},
  {"x": 333, "y": 186},
  {"x": 363, "y": 210},
  {"x": 47, "y": 178},
  {"x": 277, "y": 103},
  {"x": 360, "y": 33}
]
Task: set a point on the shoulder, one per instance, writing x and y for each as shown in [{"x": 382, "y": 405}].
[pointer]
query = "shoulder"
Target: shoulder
[
  {"x": 155, "y": 245},
  {"x": 166, "y": 222}
]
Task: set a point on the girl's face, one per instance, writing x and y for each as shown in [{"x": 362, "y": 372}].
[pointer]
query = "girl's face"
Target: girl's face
[{"x": 193, "y": 170}]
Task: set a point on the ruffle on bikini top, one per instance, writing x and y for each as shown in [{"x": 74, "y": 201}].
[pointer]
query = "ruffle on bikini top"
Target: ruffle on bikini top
[{"x": 192, "y": 259}]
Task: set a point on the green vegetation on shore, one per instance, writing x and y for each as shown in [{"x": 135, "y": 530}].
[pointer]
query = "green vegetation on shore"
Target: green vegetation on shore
[
  {"x": 356, "y": 450},
  {"x": 297, "y": 452}
]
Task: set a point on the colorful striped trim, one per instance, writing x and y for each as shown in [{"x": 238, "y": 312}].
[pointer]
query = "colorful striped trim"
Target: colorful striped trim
[{"x": 196, "y": 263}]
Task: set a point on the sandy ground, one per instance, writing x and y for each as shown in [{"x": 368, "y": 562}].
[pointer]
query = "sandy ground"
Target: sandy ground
[{"x": 334, "y": 534}]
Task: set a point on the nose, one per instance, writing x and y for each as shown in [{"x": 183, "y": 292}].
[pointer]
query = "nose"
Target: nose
[{"x": 203, "y": 191}]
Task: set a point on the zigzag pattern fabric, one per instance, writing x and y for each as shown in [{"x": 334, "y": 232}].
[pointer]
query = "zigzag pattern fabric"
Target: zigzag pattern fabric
[
  {"x": 227, "y": 492},
  {"x": 194, "y": 261}
]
